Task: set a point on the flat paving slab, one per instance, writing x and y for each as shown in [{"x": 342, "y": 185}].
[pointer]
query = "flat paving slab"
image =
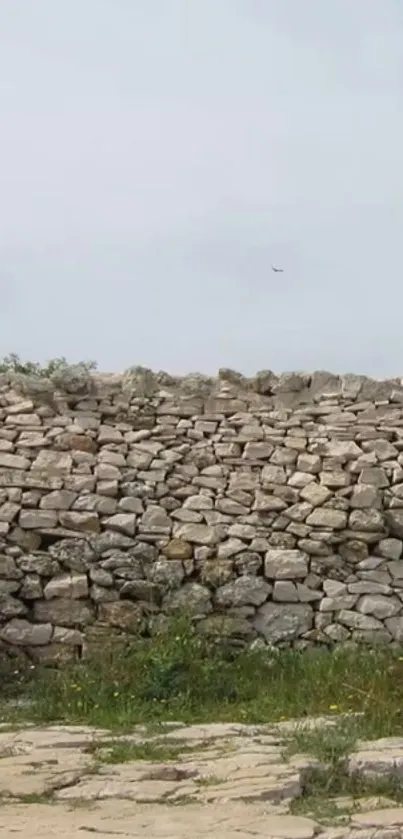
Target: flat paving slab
[{"x": 226, "y": 781}]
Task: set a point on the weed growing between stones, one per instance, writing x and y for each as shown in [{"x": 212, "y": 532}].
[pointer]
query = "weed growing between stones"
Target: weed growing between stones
[
  {"x": 125, "y": 751},
  {"x": 183, "y": 676},
  {"x": 329, "y": 790}
]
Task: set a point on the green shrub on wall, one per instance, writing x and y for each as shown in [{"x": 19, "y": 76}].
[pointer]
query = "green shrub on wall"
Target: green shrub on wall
[{"x": 56, "y": 366}]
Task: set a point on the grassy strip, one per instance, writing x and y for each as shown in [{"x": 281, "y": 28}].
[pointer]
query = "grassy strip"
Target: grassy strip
[{"x": 180, "y": 676}]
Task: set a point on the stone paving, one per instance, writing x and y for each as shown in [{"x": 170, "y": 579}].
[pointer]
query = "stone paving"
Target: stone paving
[{"x": 223, "y": 780}]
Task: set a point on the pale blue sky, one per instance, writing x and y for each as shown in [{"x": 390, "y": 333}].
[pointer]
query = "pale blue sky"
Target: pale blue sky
[{"x": 156, "y": 156}]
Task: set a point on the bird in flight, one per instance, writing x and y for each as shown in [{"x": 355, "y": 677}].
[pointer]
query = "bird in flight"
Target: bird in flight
[{"x": 277, "y": 270}]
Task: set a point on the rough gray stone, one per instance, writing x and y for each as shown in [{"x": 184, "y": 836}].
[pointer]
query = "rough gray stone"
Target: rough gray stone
[
  {"x": 283, "y": 622},
  {"x": 285, "y": 564},
  {"x": 23, "y": 634},
  {"x": 243, "y": 591}
]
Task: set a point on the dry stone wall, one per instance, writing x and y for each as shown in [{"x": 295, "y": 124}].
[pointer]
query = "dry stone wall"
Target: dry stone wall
[{"x": 269, "y": 509}]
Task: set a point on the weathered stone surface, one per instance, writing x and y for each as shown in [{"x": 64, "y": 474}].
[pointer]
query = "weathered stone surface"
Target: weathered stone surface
[
  {"x": 389, "y": 548},
  {"x": 364, "y": 496},
  {"x": 11, "y": 607},
  {"x": 37, "y": 519},
  {"x": 13, "y": 461},
  {"x": 283, "y": 622},
  {"x": 193, "y": 599},
  {"x": 84, "y": 522},
  {"x": 316, "y": 494},
  {"x": 63, "y": 612},
  {"x": 239, "y": 784},
  {"x": 169, "y": 573},
  {"x": 366, "y": 520},
  {"x": 200, "y": 534},
  {"x": 23, "y": 633},
  {"x": 270, "y": 491},
  {"x": 379, "y": 606},
  {"x": 327, "y": 517},
  {"x": 52, "y": 462},
  {"x": 60, "y": 499},
  {"x": 243, "y": 591},
  {"x": 285, "y": 564},
  {"x": 394, "y": 520},
  {"x": 178, "y": 549},
  {"x": 67, "y": 585},
  {"x": 123, "y": 614}
]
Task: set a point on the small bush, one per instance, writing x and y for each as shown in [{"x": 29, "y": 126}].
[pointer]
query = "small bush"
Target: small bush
[{"x": 56, "y": 367}]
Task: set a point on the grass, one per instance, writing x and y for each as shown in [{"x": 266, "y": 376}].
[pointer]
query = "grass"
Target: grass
[
  {"x": 329, "y": 791},
  {"x": 210, "y": 781},
  {"x": 124, "y": 751},
  {"x": 181, "y": 676}
]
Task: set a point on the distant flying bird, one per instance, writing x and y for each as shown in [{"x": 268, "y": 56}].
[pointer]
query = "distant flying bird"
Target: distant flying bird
[{"x": 277, "y": 270}]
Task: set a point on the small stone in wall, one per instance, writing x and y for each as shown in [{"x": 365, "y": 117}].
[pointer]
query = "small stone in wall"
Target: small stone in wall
[
  {"x": 371, "y": 520},
  {"x": 67, "y": 585},
  {"x": 13, "y": 461},
  {"x": 257, "y": 450},
  {"x": 78, "y": 442},
  {"x": 143, "y": 590},
  {"x": 53, "y": 462},
  {"x": 101, "y": 577},
  {"x": 283, "y": 564},
  {"x": 379, "y": 606},
  {"x": 73, "y": 554},
  {"x": 72, "y": 637},
  {"x": 394, "y": 520},
  {"x": 122, "y": 522},
  {"x": 8, "y": 568},
  {"x": 100, "y": 594},
  {"x": 198, "y": 502},
  {"x": 63, "y": 611},
  {"x": 178, "y": 549},
  {"x": 243, "y": 591},
  {"x": 156, "y": 520},
  {"x": 31, "y": 588},
  {"x": 389, "y": 548},
  {"x": 355, "y": 620},
  {"x": 285, "y": 591},
  {"x": 227, "y": 627},
  {"x": 22, "y": 633},
  {"x": 9, "y": 511},
  {"x": 11, "y": 607},
  {"x": 85, "y": 522},
  {"x": 310, "y": 463},
  {"x": 201, "y": 534},
  {"x": 364, "y": 496},
  {"x": 37, "y": 519},
  {"x": 250, "y": 562},
  {"x": 395, "y": 627},
  {"x": 327, "y": 517},
  {"x": 193, "y": 598},
  {"x": 169, "y": 573},
  {"x": 216, "y": 572},
  {"x": 353, "y": 550},
  {"x": 316, "y": 494},
  {"x": 229, "y": 548},
  {"x": 59, "y": 499},
  {"x": 123, "y": 614},
  {"x": 283, "y": 622}
]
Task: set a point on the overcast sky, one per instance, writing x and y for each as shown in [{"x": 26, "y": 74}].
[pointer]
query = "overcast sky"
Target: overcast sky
[{"x": 157, "y": 156}]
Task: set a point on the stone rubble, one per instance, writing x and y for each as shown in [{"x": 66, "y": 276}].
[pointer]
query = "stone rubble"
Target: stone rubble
[
  {"x": 269, "y": 509},
  {"x": 230, "y": 781}
]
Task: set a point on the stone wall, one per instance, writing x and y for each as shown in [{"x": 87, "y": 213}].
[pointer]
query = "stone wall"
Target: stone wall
[{"x": 271, "y": 508}]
